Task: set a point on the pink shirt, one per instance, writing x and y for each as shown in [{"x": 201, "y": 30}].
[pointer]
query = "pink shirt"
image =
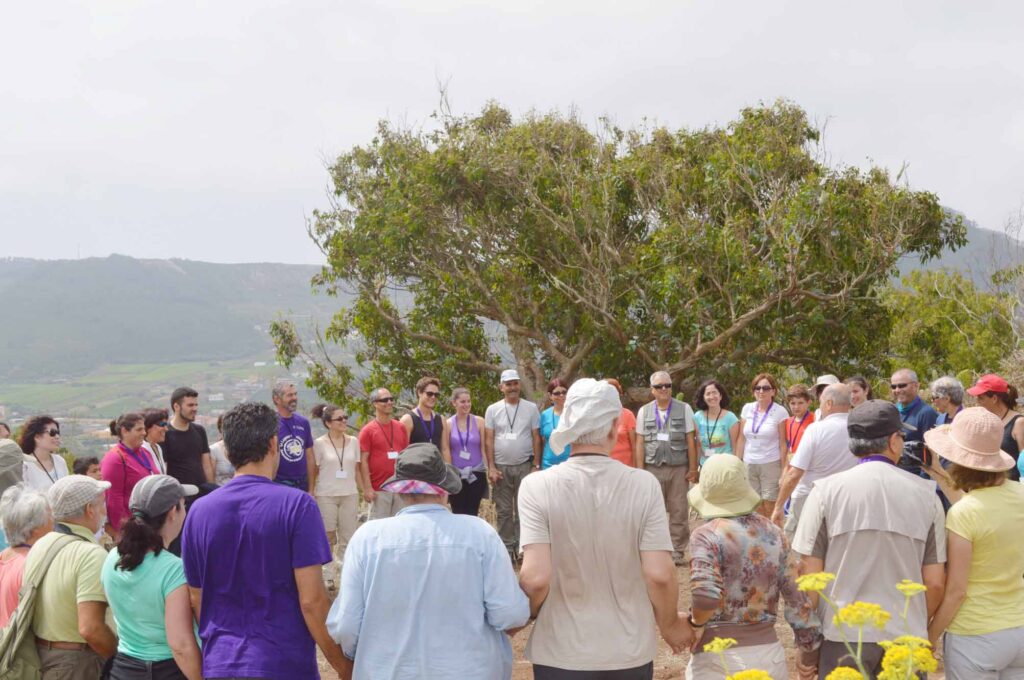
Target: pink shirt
[
  {"x": 123, "y": 471},
  {"x": 12, "y": 568}
]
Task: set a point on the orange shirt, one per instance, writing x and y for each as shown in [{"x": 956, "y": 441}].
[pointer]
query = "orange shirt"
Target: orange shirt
[
  {"x": 623, "y": 452},
  {"x": 795, "y": 429}
]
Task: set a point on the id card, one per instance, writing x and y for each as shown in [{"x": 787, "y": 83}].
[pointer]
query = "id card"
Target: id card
[
  {"x": 662, "y": 436},
  {"x": 392, "y": 455},
  {"x": 464, "y": 455},
  {"x": 341, "y": 474},
  {"x": 510, "y": 436}
]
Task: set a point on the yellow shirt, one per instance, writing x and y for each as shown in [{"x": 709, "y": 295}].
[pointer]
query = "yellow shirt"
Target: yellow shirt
[
  {"x": 991, "y": 519},
  {"x": 73, "y": 577}
]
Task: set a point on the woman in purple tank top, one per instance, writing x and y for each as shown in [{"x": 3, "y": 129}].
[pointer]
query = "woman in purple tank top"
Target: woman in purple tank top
[{"x": 467, "y": 454}]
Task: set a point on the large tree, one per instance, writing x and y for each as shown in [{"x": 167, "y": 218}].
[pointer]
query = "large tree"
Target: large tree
[{"x": 567, "y": 251}]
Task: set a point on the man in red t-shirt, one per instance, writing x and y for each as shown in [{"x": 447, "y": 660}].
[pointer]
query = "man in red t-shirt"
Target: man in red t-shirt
[{"x": 380, "y": 441}]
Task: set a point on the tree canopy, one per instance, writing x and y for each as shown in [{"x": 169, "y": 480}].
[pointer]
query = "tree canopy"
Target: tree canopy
[{"x": 489, "y": 241}]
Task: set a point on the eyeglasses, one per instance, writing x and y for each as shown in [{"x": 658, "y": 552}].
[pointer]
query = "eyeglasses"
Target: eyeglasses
[
  {"x": 763, "y": 388},
  {"x": 53, "y": 432},
  {"x": 385, "y": 400},
  {"x": 898, "y": 386},
  {"x": 559, "y": 393},
  {"x": 663, "y": 386},
  {"x": 936, "y": 397},
  {"x": 339, "y": 420},
  {"x": 431, "y": 394}
]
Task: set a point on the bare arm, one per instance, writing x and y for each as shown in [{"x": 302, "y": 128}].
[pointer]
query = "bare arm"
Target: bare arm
[
  {"x": 535, "y": 575},
  {"x": 446, "y": 440},
  {"x": 407, "y": 423},
  {"x": 310, "y": 471},
  {"x": 790, "y": 479},
  {"x": 663, "y": 590},
  {"x": 209, "y": 469},
  {"x": 195, "y": 598},
  {"x": 811, "y": 565},
  {"x": 734, "y": 436},
  {"x": 638, "y": 444},
  {"x": 94, "y": 629},
  {"x": 364, "y": 471},
  {"x": 632, "y": 447},
  {"x": 783, "y": 444},
  {"x": 942, "y": 478},
  {"x": 315, "y": 605},
  {"x": 180, "y": 638},
  {"x": 493, "y": 473},
  {"x": 538, "y": 447},
  {"x": 934, "y": 578},
  {"x": 959, "y": 552},
  {"x": 740, "y": 439},
  {"x": 692, "y": 457}
]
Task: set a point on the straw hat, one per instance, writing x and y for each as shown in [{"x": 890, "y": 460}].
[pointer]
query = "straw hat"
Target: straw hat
[
  {"x": 974, "y": 441},
  {"x": 723, "y": 490}
]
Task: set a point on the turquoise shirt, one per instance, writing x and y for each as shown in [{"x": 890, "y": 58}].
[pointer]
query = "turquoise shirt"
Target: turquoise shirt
[
  {"x": 548, "y": 423},
  {"x": 137, "y": 598},
  {"x": 714, "y": 434}
]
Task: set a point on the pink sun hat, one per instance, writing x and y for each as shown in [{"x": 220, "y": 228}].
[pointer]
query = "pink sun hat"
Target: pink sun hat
[{"x": 974, "y": 441}]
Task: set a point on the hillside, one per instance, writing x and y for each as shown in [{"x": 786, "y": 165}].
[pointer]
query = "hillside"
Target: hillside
[{"x": 68, "y": 317}]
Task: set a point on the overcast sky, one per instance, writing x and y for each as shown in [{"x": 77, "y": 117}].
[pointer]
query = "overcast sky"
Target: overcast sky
[{"x": 201, "y": 130}]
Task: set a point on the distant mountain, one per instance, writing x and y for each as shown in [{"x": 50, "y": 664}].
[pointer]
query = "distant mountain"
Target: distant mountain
[
  {"x": 986, "y": 252},
  {"x": 67, "y": 317}
]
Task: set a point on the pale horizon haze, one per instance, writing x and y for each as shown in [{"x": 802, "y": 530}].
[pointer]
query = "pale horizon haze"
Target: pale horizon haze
[{"x": 203, "y": 130}]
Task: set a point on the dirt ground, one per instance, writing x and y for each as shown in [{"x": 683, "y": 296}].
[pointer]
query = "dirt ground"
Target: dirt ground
[{"x": 666, "y": 664}]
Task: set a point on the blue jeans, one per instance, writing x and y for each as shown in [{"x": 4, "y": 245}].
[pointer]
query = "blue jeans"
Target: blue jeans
[{"x": 126, "y": 667}]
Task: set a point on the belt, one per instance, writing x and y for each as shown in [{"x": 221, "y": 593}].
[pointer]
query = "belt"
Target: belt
[{"x": 49, "y": 644}]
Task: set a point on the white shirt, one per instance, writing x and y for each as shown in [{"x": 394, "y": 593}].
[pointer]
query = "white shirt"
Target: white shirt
[
  {"x": 157, "y": 452},
  {"x": 824, "y": 450},
  {"x": 36, "y": 477},
  {"x": 762, "y": 446}
]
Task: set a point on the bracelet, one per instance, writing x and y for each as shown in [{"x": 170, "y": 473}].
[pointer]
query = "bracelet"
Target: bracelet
[{"x": 693, "y": 623}]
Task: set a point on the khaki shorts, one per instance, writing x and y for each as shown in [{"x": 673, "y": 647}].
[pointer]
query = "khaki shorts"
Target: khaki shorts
[
  {"x": 764, "y": 479},
  {"x": 770, "y": 658}
]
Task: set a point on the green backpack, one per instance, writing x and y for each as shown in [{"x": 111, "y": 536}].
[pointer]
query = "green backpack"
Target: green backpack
[{"x": 19, "y": 659}]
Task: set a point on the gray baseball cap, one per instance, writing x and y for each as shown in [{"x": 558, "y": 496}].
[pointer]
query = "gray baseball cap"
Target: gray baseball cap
[
  {"x": 875, "y": 419},
  {"x": 70, "y": 494},
  {"x": 156, "y": 494}
]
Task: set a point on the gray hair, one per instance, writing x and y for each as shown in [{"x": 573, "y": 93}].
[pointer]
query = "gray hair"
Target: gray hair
[
  {"x": 280, "y": 386},
  {"x": 24, "y": 510},
  {"x": 866, "y": 447},
  {"x": 911, "y": 374},
  {"x": 838, "y": 394},
  {"x": 658, "y": 373},
  {"x": 375, "y": 394},
  {"x": 948, "y": 386}
]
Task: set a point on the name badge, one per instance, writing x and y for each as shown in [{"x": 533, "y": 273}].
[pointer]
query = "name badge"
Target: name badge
[
  {"x": 341, "y": 474},
  {"x": 392, "y": 455},
  {"x": 464, "y": 455},
  {"x": 510, "y": 436},
  {"x": 662, "y": 436}
]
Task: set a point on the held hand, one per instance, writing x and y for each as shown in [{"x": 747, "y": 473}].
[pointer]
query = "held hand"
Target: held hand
[
  {"x": 778, "y": 517},
  {"x": 693, "y": 476},
  {"x": 679, "y": 636},
  {"x": 494, "y": 475},
  {"x": 370, "y": 495}
]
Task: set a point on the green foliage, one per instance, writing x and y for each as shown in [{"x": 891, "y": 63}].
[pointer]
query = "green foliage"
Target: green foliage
[
  {"x": 946, "y": 326},
  {"x": 538, "y": 242}
]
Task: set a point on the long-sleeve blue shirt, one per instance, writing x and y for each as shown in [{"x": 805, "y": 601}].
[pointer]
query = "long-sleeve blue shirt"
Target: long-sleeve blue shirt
[{"x": 427, "y": 594}]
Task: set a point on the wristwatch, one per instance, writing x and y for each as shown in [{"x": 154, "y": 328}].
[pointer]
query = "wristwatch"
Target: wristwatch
[{"x": 693, "y": 623}]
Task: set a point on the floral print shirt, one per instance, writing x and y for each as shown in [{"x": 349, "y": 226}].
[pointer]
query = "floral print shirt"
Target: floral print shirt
[{"x": 740, "y": 567}]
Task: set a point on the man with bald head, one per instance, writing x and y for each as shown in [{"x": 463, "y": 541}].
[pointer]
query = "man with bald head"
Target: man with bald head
[
  {"x": 668, "y": 449},
  {"x": 824, "y": 450},
  {"x": 913, "y": 411}
]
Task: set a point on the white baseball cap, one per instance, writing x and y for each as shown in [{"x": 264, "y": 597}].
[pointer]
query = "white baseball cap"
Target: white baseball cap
[
  {"x": 589, "y": 405},
  {"x": 509, "y": 374}
]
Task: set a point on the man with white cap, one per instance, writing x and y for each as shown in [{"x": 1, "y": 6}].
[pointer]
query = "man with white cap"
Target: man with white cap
[
  {"x": 820, "y": 384},
  {"x": 873, "y": 526},
  {"x": 512, "y": 449},
  {"x": 427, "y": 594},
  {"x": 72, "y": 636},
  {"x": 594, "y": 521}
]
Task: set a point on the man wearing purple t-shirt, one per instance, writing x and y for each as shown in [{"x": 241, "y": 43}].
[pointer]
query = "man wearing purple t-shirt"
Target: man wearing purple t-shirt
[
  {"x": 294, "y": 439},
  {"x": 253, "y": 552}
]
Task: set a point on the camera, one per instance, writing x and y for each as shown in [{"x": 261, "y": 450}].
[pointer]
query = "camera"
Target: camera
[{"x": 915, "y": 457}]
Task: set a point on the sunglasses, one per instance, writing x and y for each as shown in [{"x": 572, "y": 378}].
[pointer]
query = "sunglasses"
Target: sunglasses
[
  {"x": 163, "y": 423},
  {"x": 763, "y": 388},
  {"x": 339, "y": 420},
  {"x": 385, "y": 400},
  {"x": 559, "y": 393},
  {"x": 898, "y": 386},
  {"x": 432, "y": 394},
  {"x": 663, "y": 386},
  {"x": 53, "y": 432}
]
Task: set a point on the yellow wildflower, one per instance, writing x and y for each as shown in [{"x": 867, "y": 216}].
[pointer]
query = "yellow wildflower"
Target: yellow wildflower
[
  {"x": 719, "y": 645},
  {"x": 901, "y": 660},
  {"x": 844, "y": 673},
  {"x": 910, "y": 588},
  {"x": 911, "y": 641},
  {"x": 924, "y": 660},
  {"x": 752, "y": 674},
  {"x": 815, "y": 582},
  {"x": 860, "y": 614}
]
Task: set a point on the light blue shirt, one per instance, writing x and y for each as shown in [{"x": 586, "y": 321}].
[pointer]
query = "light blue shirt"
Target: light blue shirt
[{"x": 427, "y": 594}]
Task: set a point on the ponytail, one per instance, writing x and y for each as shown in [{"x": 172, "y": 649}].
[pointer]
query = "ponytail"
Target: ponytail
[{"x": 140, "y": 534}]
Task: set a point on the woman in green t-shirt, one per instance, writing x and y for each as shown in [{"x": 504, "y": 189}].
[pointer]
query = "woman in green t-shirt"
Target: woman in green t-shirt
[{"x": 146, "y": 588}]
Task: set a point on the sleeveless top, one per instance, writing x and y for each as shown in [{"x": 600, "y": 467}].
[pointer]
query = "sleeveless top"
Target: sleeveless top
[
  {"x": 426, "y": 432},
  {"x": 1010, "y": 446},
  {"x": 468, "y": 440}
]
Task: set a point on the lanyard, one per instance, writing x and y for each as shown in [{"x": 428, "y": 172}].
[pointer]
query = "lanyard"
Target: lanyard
[
  {"x": 138, "y": 459},
  {"x": 790, "y": 437},
  {"x": 512, "y": 420},
  {"x": 711, "y": 430},
  {"x": 876, "y": 458},
  {"x": 668, "y": 411},
  {"x": 391, "y": 439},
  {"x": 469, "y": 428},
  {"x": 53, "y": 479},
  {"x": 430, "y": 430},
  {"x": 337, "y": 455},
  {"x": 755, "y": 427}
]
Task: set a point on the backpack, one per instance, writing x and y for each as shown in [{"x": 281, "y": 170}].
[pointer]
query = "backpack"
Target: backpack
[{"x": 19, "y": 659}]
